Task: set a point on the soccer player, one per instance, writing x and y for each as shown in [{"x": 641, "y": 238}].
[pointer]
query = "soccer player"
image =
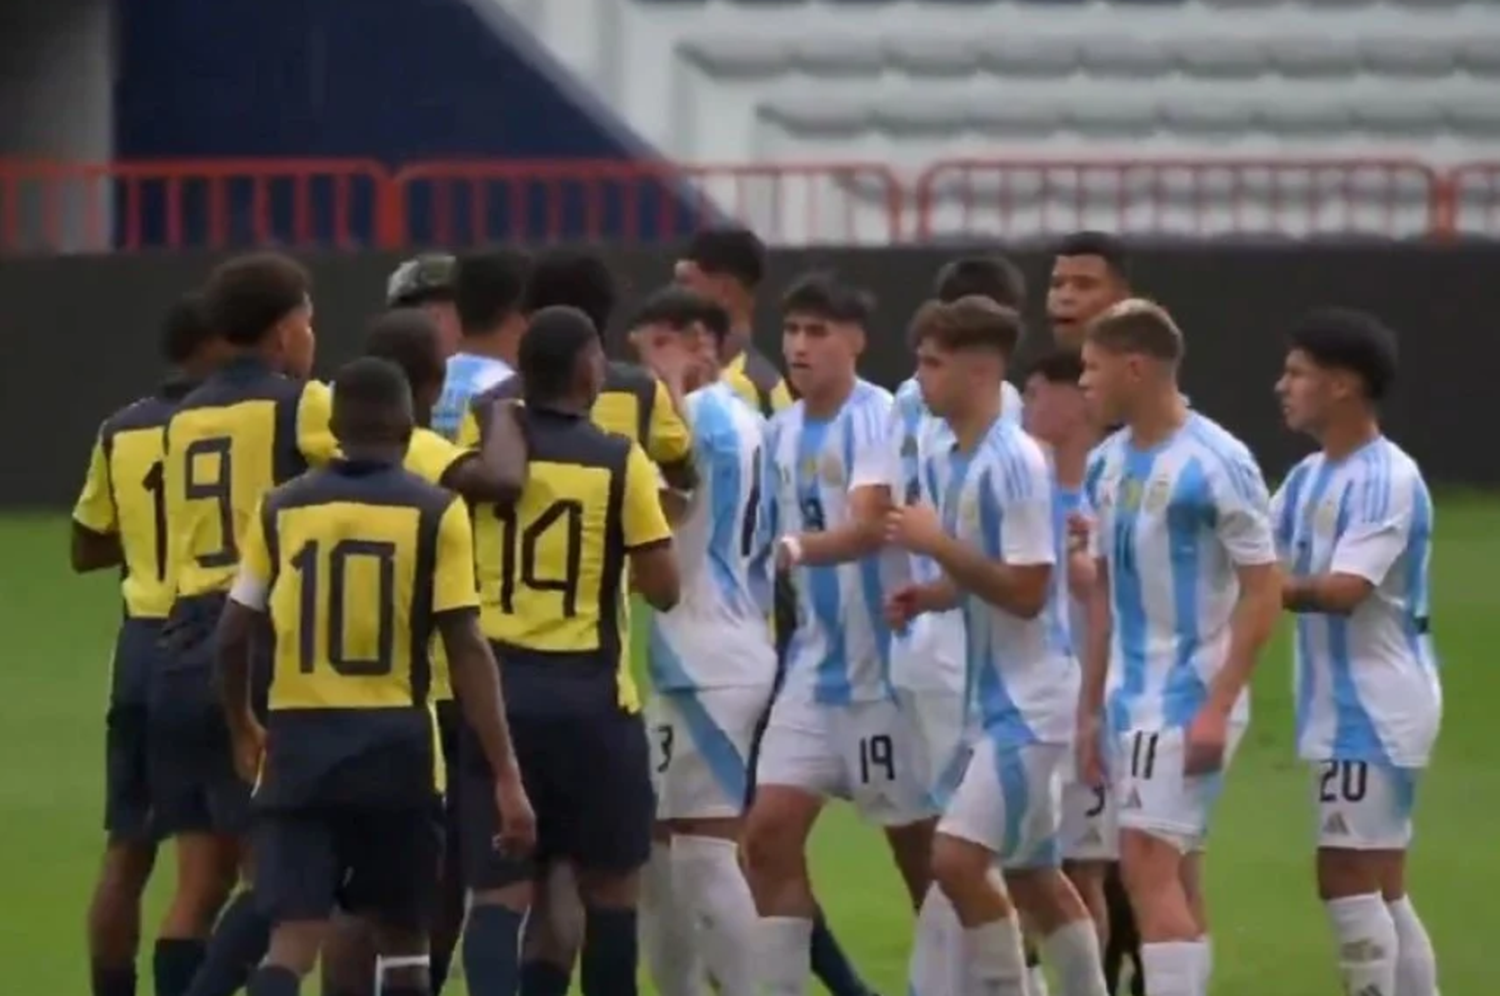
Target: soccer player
[
  {"x": 118, "y": 522},
  {"x": 994, "y": 539},
  {"x": 1090, "y": 272},
  {"x": 487, "y": 289},
  {"x": 245, "y": 429},
  {"x": 1354, "y": 525},
  {"x": 1188, "y": 596},
  {"x": 347, "y": 772},
  {"x": 555, "y": 604},
  {"x": 427, "y": 282},
  {"x": 834, "y": 728},
  {"x": 727, "y": 265},
  {"x": 712, "y": 667}
]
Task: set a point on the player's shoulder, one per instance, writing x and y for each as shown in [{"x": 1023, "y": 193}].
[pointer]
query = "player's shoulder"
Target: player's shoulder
[
  {"x": 577, "y": 440},
  {"x": 719, "y": 406},
  {"x": 150, "y": 412},
  {"x": 622, "y": 376},
  {"x": 867, "y": 394},
  {"x": 244, "y": 380},
  {"x": 1387, "y": 473},
  {"x": 1207, "y": 438},
  {"x": 505, "y": 389},
  {"x": 759, "y": 370},
  {"x": 1014, "y": 461},
  {"x": 1106, "y": 452},
  {"x": 393, "y": 486}
]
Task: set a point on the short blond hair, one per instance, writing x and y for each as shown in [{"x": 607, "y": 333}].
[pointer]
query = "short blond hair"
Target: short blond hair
[{"x": 1136, "y": 325}]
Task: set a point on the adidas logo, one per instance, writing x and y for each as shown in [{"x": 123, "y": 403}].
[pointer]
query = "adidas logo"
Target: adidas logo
[
  {"x": 1372, "y": 989},
  {"x": 1133, "y": 800},
  {"x": 1093, "y": 837},
  {"x": 1336, "y": 826}
]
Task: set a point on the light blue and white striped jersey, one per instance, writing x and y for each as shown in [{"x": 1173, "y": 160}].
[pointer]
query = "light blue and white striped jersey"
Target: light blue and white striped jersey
[
  {"x": 1367, "y": 683},
  {"x": 1173, "y": 523},
  {"x": 1022, "y": 682},
  {"x": 718, "y": 635},
  {"x": 841, "y": 642},
  {"x": 468, "y": 374},
  {"x": 1066, "y": 501}
]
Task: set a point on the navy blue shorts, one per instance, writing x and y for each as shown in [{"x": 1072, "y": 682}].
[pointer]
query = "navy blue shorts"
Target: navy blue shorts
[
  {"x": 127, "y": 787},
  {"x": 589, "y": 781},
  {"x": 368, "y": 861}
]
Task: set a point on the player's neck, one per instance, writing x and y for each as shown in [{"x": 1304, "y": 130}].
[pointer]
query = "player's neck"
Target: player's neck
[
  {"x": 971, "y": 426},
  {"x": 1157, "y": 419},
  {"x": 373, "y": 454},
  {"x": 1345, "y": 436},
  {"x": 1071, "y": 455},
  {"x": 826, "y": 404}
]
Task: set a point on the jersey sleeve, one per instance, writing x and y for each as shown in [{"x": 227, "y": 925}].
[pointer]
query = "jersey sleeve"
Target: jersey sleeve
[
  {"x": 1089, "y": 500},
  {"x": 430, "y": 456},
  {"x": 870, "y": 427},
  {"x": 1380, "y": 510},
  {"x": 95, "y": 510},
  {"x": 643, "y": 521},
  {"x": 252, "y": 584},
  {"x": 780, "y": 395},
  {"x": 314, "y": 430},
  {"x": 1281, "y": 519},
  {"x": 668, "y": 438},
  {"x": 454, "y": 587},
  {"x": 1242, "y": 511},
  {"x": 1015, "y": 510}
]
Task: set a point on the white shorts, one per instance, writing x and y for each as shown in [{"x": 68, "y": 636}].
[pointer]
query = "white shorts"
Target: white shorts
[
  {"x": 939, "y": 724},
  {"x": 1010, "y": 801},
  {"x": 700, "y": 749},
  {"x": 866, "y": 752},
  {"x": 1364, "y": 806},
  {"x": 1090, "y": 828},
  {"x": 1155, "y": 795}
]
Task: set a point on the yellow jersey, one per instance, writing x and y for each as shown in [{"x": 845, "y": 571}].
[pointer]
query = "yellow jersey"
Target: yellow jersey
[{"x": 757, "y": 380}]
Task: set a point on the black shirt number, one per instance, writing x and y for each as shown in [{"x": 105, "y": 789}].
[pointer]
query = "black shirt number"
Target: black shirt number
[
  {"x": 665, "y": 738},
  {"x": 1143, "y": 755},
  {"x": 218, "y": 489},
  {"x": 306, "y": 562},
  {"x": 522, "y": 549},
  {"x": 1097, "y": 806},
  {"x": 752, "y": 508},
  {"x": 1344, "y": 781},
  {"x": 812, "y": 515},
  {"x": 876, "y": 752},
  {"x": 156, "y": 483}
]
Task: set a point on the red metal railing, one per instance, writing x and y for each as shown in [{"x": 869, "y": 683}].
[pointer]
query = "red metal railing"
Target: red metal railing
[
  {"x": 1179, "y": 197},
  {"x": 466, "y": 203},
  {"x": 218, "y": 204}
]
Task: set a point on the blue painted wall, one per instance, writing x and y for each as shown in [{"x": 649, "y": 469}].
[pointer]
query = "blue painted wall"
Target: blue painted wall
[{"x": 390, "y": 80}]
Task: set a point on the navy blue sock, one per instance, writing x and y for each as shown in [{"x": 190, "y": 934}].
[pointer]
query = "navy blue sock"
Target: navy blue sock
[
  {"x": 540, "y": 977},
  {"x": 611, "y": 952},
  {"x": 239, "y": 943},
  {"x": 174, "y": 963},
  {"x": 273, "y": 980},
  {"x": 113, "y": 981},
  {"x": 830, "y": 965},
  {"x": 492, "y": 951},
  {"x": 437, "y": 971}
]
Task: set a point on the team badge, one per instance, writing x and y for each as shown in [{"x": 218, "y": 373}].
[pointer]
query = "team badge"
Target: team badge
[
  {"x": 1130, "y": 494},
  {"x": 832, "y": 471},
  {"x": 1326, "y": 517},
  {"x": 807, "y": 468},
  {"x": 968, "y": 514},
  {"x": 1158, "y": 492}
]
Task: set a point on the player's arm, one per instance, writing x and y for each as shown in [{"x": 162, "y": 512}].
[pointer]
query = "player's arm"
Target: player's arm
[
  {"x": 247, "y": 603},
  {"x": 648, "y": 537},
  {"x": 669, "y": 441},
  {"x": 869, "y": 497},
  {"x": 1013, "y": 570},
  {"x": 314, "y": 424},
  {"x": 1380, "y": 520},
  {"x": 1099, "y": 621},
  {"x": 96, "y": 528},
  {"x": 1242, "y": 524},
  {"x": 475, "y": 675}
]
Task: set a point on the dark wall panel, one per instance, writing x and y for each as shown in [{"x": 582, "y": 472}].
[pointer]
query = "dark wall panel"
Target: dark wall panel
[{"x": 77, "y": 337}]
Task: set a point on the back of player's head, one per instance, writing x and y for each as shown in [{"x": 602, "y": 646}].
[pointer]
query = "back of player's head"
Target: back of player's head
[
  {"x": 487, "y": 288},
  {"x": 550, "y": 352},
  {"x": 1139, "y": 327},
  {"x": 421, "y": 279},
  {"x": 972, "y": 323},
  {"x": 372, "y": 402},
  {"x": 994, "y": 277},
  {"x": 822, "y": 295},
  {"x": 1058, "y": 365},
  {"x": 1101, "y": 245},
  {"x": 731, "y": 252},
  {"x": 679, "y": 308},
  {"x": 185, "y": 329},
  {"x": 247, "y": 296},
  {"x": 572, "y": 278},
  {"x": 409, "y": 338},
  {"x": 1355, "y": 341}
]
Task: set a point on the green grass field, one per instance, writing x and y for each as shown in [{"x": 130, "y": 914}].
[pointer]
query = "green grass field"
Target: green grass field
[{"x": 1269, "y": 931}]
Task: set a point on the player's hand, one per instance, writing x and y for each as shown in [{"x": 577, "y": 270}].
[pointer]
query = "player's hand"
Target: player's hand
[
  {"x": 249, "y": 741},
  {"x": 517, "y": 834},
  {"x": 665, "y": 356},
  {"x": 1207, "y": 738},
  {"x": 1079, "y": 527},
  {"x": 788, "y": 553},
  {"x": 914, "y": 527},
  {"x": 903, "y": 605},
  {"x": 1090, "y": 758}
]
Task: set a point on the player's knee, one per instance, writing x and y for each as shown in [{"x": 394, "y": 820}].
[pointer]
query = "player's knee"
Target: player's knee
[
  {"x": 776, "y": 832},
  {"x": 959, "y": 867},
  {"x": 126, "y": 868},
  {"x": 1342, "y": 872},
  {"x": 605, "y": 890},
  {"x": 1047, "y": 896}
]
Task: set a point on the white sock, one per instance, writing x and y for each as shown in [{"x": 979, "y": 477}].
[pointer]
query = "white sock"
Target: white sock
[
  {"x": 1367, "y": 942},
  {"x": 937, "y": 952},
  {"x": 784, "y": 959},
  {"x": 1073, "y": 953},
  {"x": 1036, "y": 981},
  {"x": 1174, "y": 968},
  {"x": 1208, "y": 959},
  {"x": 708, "y": 881},
  {"x": 996, "y": 962},
  {"x": 1416, "y": 962},
  {"x": 668, "y": 933}
]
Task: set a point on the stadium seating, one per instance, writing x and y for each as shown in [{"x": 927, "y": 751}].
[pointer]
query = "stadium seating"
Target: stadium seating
[{"x": 910, "y": 82}]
